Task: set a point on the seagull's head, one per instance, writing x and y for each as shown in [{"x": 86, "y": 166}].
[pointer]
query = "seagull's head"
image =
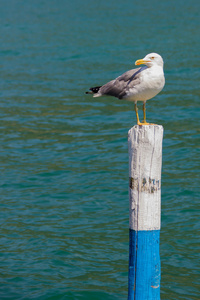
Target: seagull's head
[{"x": 151, "y": 59}]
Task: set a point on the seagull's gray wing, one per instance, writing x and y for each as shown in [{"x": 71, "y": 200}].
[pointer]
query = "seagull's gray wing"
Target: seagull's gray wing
[{"x": 119, "y": 86}]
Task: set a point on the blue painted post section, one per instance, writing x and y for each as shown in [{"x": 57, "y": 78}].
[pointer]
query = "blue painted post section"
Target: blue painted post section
[{"x": 145, "y": 160}]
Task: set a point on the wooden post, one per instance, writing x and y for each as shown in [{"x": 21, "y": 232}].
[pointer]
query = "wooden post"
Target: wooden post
[{"x": 145, "y": 161}]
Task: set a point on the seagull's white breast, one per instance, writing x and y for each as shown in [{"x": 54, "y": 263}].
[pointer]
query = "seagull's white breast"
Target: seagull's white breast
[{"x": 152, "y": 81}]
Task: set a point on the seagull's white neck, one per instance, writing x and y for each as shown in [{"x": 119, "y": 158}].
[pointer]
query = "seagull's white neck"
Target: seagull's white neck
[{"x": 155, "y": 66}]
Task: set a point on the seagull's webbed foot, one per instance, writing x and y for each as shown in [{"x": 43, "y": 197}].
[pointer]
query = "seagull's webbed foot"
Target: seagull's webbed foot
[{"x": 144, "y": 123}]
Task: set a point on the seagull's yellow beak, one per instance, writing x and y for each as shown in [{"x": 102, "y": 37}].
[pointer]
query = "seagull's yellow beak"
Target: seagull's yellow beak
[{"x": 141, "y": 62}]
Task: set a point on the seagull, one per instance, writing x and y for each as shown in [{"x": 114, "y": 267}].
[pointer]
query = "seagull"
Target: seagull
[{"x": 139, "y": 84}]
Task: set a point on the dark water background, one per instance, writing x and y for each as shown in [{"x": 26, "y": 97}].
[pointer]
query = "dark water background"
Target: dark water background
[{"x": 63, "y": 155}]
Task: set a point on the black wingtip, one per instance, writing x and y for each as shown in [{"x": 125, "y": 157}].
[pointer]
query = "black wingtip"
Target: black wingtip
[{"x": 93, "y": 90}]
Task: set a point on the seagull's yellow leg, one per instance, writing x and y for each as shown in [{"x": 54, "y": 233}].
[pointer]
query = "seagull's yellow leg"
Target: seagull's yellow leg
[
  {"x": 137, "y": 116},
  {"x": 144, "y": 113}
]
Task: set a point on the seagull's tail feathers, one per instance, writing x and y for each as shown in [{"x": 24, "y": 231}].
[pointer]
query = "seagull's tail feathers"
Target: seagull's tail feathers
[{"x": 94, "y": 91}]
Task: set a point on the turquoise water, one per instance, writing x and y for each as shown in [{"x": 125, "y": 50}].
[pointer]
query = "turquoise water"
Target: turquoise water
[{"x": 63, "y": 155}]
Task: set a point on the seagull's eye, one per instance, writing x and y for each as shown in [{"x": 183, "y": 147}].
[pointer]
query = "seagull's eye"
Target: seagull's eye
[{"x": 152, "y": 57}]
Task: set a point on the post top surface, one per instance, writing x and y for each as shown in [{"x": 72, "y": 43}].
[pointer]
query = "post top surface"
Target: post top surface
[{"x": 153, "y": 128}]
